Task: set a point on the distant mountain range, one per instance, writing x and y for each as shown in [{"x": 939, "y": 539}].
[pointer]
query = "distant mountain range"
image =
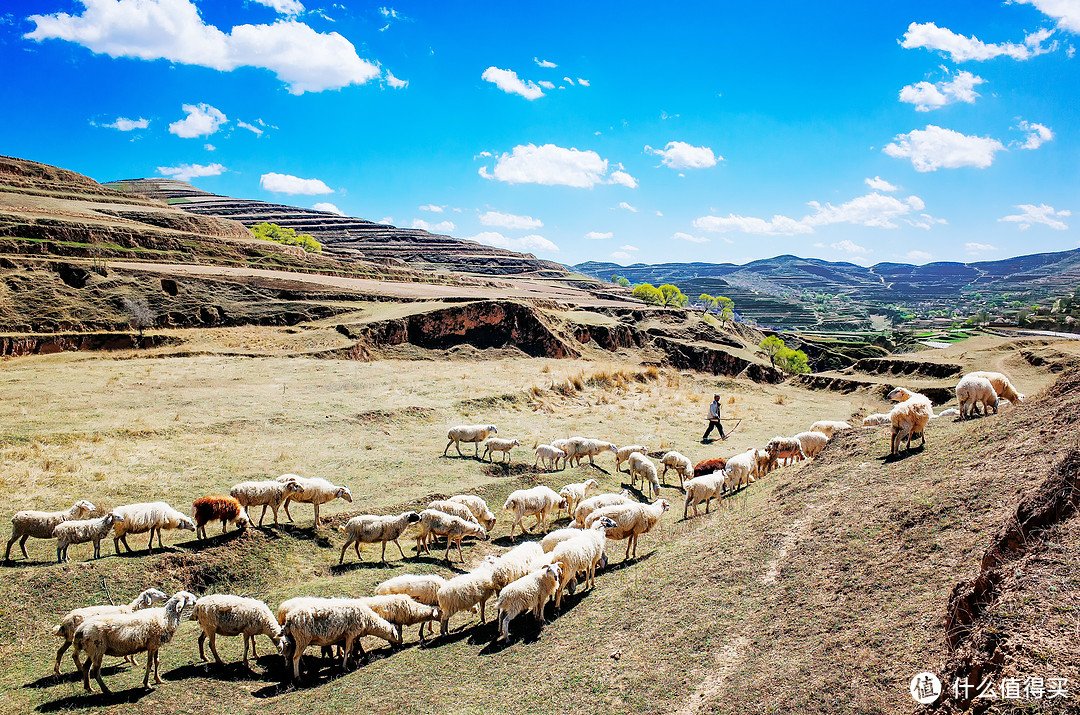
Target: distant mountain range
[{"x": 790, "y": 291}]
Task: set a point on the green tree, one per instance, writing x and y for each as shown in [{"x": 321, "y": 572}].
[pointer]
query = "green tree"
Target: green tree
[
  {"x": 672, "y": 296},
  {"x": 708, "y": 302},
  {"x": 624, "y": 281},
  {"x": 648, "y": 294},
  {"x": 727, "y": 309},
  {"x": 771, "y": 346},
  {"x": 792, "y": 361},
  {"x": 287, "y": 236}
]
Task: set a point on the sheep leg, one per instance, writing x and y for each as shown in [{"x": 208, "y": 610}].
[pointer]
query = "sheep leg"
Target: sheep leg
[
  {"x": 460, "y": 555},
  {"x": 341, "y": 559},
  {"x": 356, "y": 548},
  {"x": 97, "y": 675},
  {"x": 345, "y": 653},
  {"x": 224, "y": 526},
  {"x": 482, "y": 603},
  {"x": 213, "y": 649},
  {"x": 246, "y": 638},
  {"x": 202, "y": 653},
  {"x": 59, "y": 555},
  {"x": 150, "y": 546},
  {"x": 384, "y": 552},
  {"x": 60, "y": 654},
  {"x": 398, "y": 545},
  {"x": 316, "y": 515},
  {"x": 11, "y": 541},
  {"x": 22, "y": 545},
  {"x": 97, "y": 549}
]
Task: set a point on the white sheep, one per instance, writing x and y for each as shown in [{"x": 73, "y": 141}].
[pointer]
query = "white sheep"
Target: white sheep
[
  {"x": 587, "y": 507},
  {"x": 951, "y": 412},
  {"x": 148, "y": 517},
  {"x": 80, "y": 532},
  {"x": 267, "y": 493},
  {"x": 581, "y": 554},
  {"x": 680, "y": 463},
  {"x": 549, "y": 454},
  {"x": 371, "y": 529},
  {"x": 437, "y": 523},
  {"x": 877, "y": 419},
  {"x": 421, "y": 587},
  {"x": 462, "y": 593},
  {"x": 579, "y": 447},
  {"x": 496, "y": 444},
  {"x": 631, "y": 521},
  {"x": 539, "y": 501},
  {"x": 828, "y": 427},
  {"x": 973, "y": 389},
  {"x": 327, "y": 621},
  {"x": 528, "y": 593},
  {"x": 515, "y": 563},
  {"x": 402, "y": 610},
  {"x": 642, "y": 467},
  {"x": 624, "y": 453},
  {"x": 812, "y": 443},
  {"x": 226, "y": 615},
  {"x": 468, "y": 433},
  {"x": 909, "y": 418},
  {"x": 478, "y": 507},
  {"x": 739, "y": 470},
  {"x": 554, "y": 538},
  {"x": 575, "y": 493},
  {"x": 121, "y": 634},
  {"x": 461, "y": 511},
  {"x": 315, "y": 491},
  {"x": 783, "y": 448},
  {"x": 40, "y": 524},
  {"x": 71, "y": 621},
  {"x": 1002, "y": 385},
  {"x": 703, "y": 489}
]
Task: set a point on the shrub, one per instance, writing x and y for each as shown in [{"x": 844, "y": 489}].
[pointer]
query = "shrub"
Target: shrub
[{"x": 287, "y": 236}]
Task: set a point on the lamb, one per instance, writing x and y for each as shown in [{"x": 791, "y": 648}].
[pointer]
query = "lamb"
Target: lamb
[
  {"x": 79, "y": 532},
  {"x": 703, "y": 489},
  {"x": 909, "y": 418},
  {"x": 812, "y": 443},
  {"x": 828, "y": 427},
  {"x": 528, "y": 593},
  {"x": 587, "y": 507},
  {"x": 226, "y": 615},
  {"x": 539, "y": 501},
  {"x": 783, "y": 448},
  {"x": 877, "y": 419},
  {"x": 739, "y": 470},
  {"x": 709, "y": 466},
  {"x": 326, "y": 621},
  {"x": 495, "y": 444},
  {"x": 643, "y": 467},
  {"x": 515, "y": 563},
  {"x": 549, "y": 454},
  {"x": 971, "y": 390},
  {"x": 218, "y": 507},
  {"x": 468, "y": 433},
  {"x": 70, "y": 622},
  {"x": 624, "y": 453},
  {"x": 371, "y": 529},
  {"x": 951, "y": 412},
  {"x": 437, "y": 523},
  {"x": 761, "y": 463},
  {"x": 478, "y": 507},
  {"x": 40, "y": 524},
  {"x": 576, "y": 492},
  {"x": 315, "y": 491},
  {"x": 680, "y": 463},
  {"x": 402, "y": 610},
  {"x": 462, "y": 593},
  {"x": 1002, "y": 385},
  {"x": 581, "y": 554},
  {"x": 121, "y": 634},
  {"x": 148, "y": 516},
  {"x": 269, "y": 493},
  {"x": 454, "y": 508},
  {"x": 631, "y": 521},
  {"x": 579, "y": 447}
]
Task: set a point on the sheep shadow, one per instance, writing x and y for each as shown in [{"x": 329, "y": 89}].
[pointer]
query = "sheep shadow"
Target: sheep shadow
[
  {"x": 95, "y": 700},
  {"x": 475, "y": 634},
  {"x": 903, "y": 454},
  {"x": 350, "y": 566},
  {"x": 625, "y": 563},
  {"x": 197, "y": 545},
  {"x": 316, "y": 671},
  {"x": 48, "y": 681},
  {"x": 637, "y": 493},
  {"x": 12, "y": 564},
  {"x": 455, "y": 566},
  {"x": 229, "y": 672},
  {"x": 519, "y": 539},
  {"x": 309, "y": 533}
]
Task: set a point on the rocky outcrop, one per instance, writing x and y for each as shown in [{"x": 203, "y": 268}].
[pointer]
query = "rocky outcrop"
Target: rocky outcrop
[
  {"x": 690, "y": 356},
  {"x": 937, "y": 395},
  {"x": 608, "y": 337},
  {"x": 889, "y": 366},
  {"x": 21, "y": 345}
]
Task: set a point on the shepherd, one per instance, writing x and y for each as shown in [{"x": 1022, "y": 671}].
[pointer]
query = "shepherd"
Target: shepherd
[{"x": 714, "y": 420}]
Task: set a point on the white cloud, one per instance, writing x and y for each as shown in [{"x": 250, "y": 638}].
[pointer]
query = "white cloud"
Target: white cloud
[
  {"x": 917, "y": 256},
  {"x": 1066, "y": 12},
  {"x": 777, "y": 226},
  {"x": 525, "y": 243},
  {"x": 925, "y": 221},
  {"x": 627, "y": 207},
  {"x": 174, "y": 30},
  {"x": 553, "y": 165},
  {"x": 622, "y": 256},
  {"x": 628, "y": 247},
  {"x": 680, "y": 155},
  {"x": 926, "y": 96},
  {"x": 250, "y": 127},
  {"x": 1037, "y": 135},
  {"x": 389, "y": 12},
  {"x": 187, "y": 172},
  {"x": 201, "y": 120},
  {"x": 510, "y": 221},
  {"x": 546, "y": 84},
  {"x": 598, "y": 236},
  {"x": 387, "y": 220},
  {"x": 973, "y": 247},
  {"x": 961, "y": 48},
  {"x": 583, "y": 82},
  {"x": 568, "y": 80},
  {"x": 1041, "y": 214},
  {"x": 394, "y": 82},
  {"x": 440, "y": 227},
  {"x": 544, "y": 63},
  {"x": 124, "y": 124},
  {"x": 678, "y": 235},
  {"x": 849, "y": 247},
  {"x": 935, "y": 148},
  {"x": 879, "y": 184},
  {"x": 328, "y": 208},
  {"x": 659, "y": 213},
  {"x": 285, "y": 7},
  {"x": 873, "y": 210},
  {"x": 209, "y": 147},
  {"x": 433, "y": 208},
  {"x": 507, "y": 81},
  {"x": 288, "y": 184}
]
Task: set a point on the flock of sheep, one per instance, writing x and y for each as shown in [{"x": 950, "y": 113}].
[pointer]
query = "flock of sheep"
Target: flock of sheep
[{"x": 522, "y": 580}]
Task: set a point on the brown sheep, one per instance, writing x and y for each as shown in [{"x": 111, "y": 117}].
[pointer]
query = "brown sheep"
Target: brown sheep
[
  {"x": 215, "y": 508},
  {"x": 709, "y": 466}
]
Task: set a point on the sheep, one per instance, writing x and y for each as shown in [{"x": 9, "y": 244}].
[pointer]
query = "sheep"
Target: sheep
[
  {"x": 149, "y": 516},
  {"x": 454, "y": 508},
  {"x": 587, "y": 507},
  {"x": 227, "y": 615},
  {"x": 402, "y": 610},
  {"x": 269, "y": 493},
  {"x": 631, "y": 521},
  {"x": 971, "y": 390},
  {"x": 218, "y": 507},
  {"x": 579, "y": 447},
  {"x": 462, "y": 593},
  {"x": 581, "y": 554},
  {"x": 495, "y": 444},
  {"x": 468, "y": 433},
  {"x": 70, "y": 622},
  {"x": 783, "y": 448},
  {"x": 680, "y": 463},
  {"x": 761, "y": 461},
  {"x": 455, "y": 529},
  {"x": 554, "y": 538},
  {"x": 421, "y": 588},
  {"x": 703, "y": 489},
  {"x": 812, "y": 443},
  {"x": 539, "y": 501},
  {"x": 315, "y": 491},
  {"x": 576, "y": 492},
  {"x": 121, "y": 634},
  {"x": 40, "y": 524},
  {"x": 478, "y": 507},
  {"x": 909, "y": 418},
  {"x": 371, "y": 529},
  {"x": 1002, "y": 385},
  {"x": 515, "y": 563},
  {"x": 528, "y": 593},
  {"x": 951, "y": 412},
  {"x": 624, "y": 453},
  {"x": 643, "y": 467},
  {"x": 739, "y": 470},
  {"x": 828, "y": 427},
  {"x": 877, "y": 419},
  {"x": 326, "y": 621},
  {"x": 79, "y": 532},
  {"x": 709, "y": 466},
  {"x": 549, "y": 454}
]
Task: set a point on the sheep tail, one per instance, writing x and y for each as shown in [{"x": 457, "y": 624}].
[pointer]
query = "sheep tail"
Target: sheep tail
[{"x": 56, "y": 631}]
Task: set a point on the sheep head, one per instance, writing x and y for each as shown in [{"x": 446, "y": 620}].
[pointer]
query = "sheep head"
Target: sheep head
[
  {"x": 82, "y": 507},
  {"x": 411, "y": 517},
  {"x": 491, "y": 428},
  {"x": 563, "y": 503},
  {"x": 344, "y": 493},
  {"x": 900, "y": 394},
  {"x": 243, "y": 520},
  {"x": 664, "y": 505},
  {"x": 555, "y": 570},
  {"x": 112, "y": 517},
  {"x": 151, "y": 596},
  {"x": 604, "y": 522},
  {"x": 186, "y": 523},
  {"x": 591, "y": 484},
  {"x": 293, "y": 487}
]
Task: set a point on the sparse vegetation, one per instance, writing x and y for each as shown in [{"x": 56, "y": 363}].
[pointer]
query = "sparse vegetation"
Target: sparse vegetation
[{"x": 287, "y": 236}]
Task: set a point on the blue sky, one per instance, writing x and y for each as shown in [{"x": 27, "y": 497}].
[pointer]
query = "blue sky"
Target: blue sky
[{"x": 619, "y": 131}]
